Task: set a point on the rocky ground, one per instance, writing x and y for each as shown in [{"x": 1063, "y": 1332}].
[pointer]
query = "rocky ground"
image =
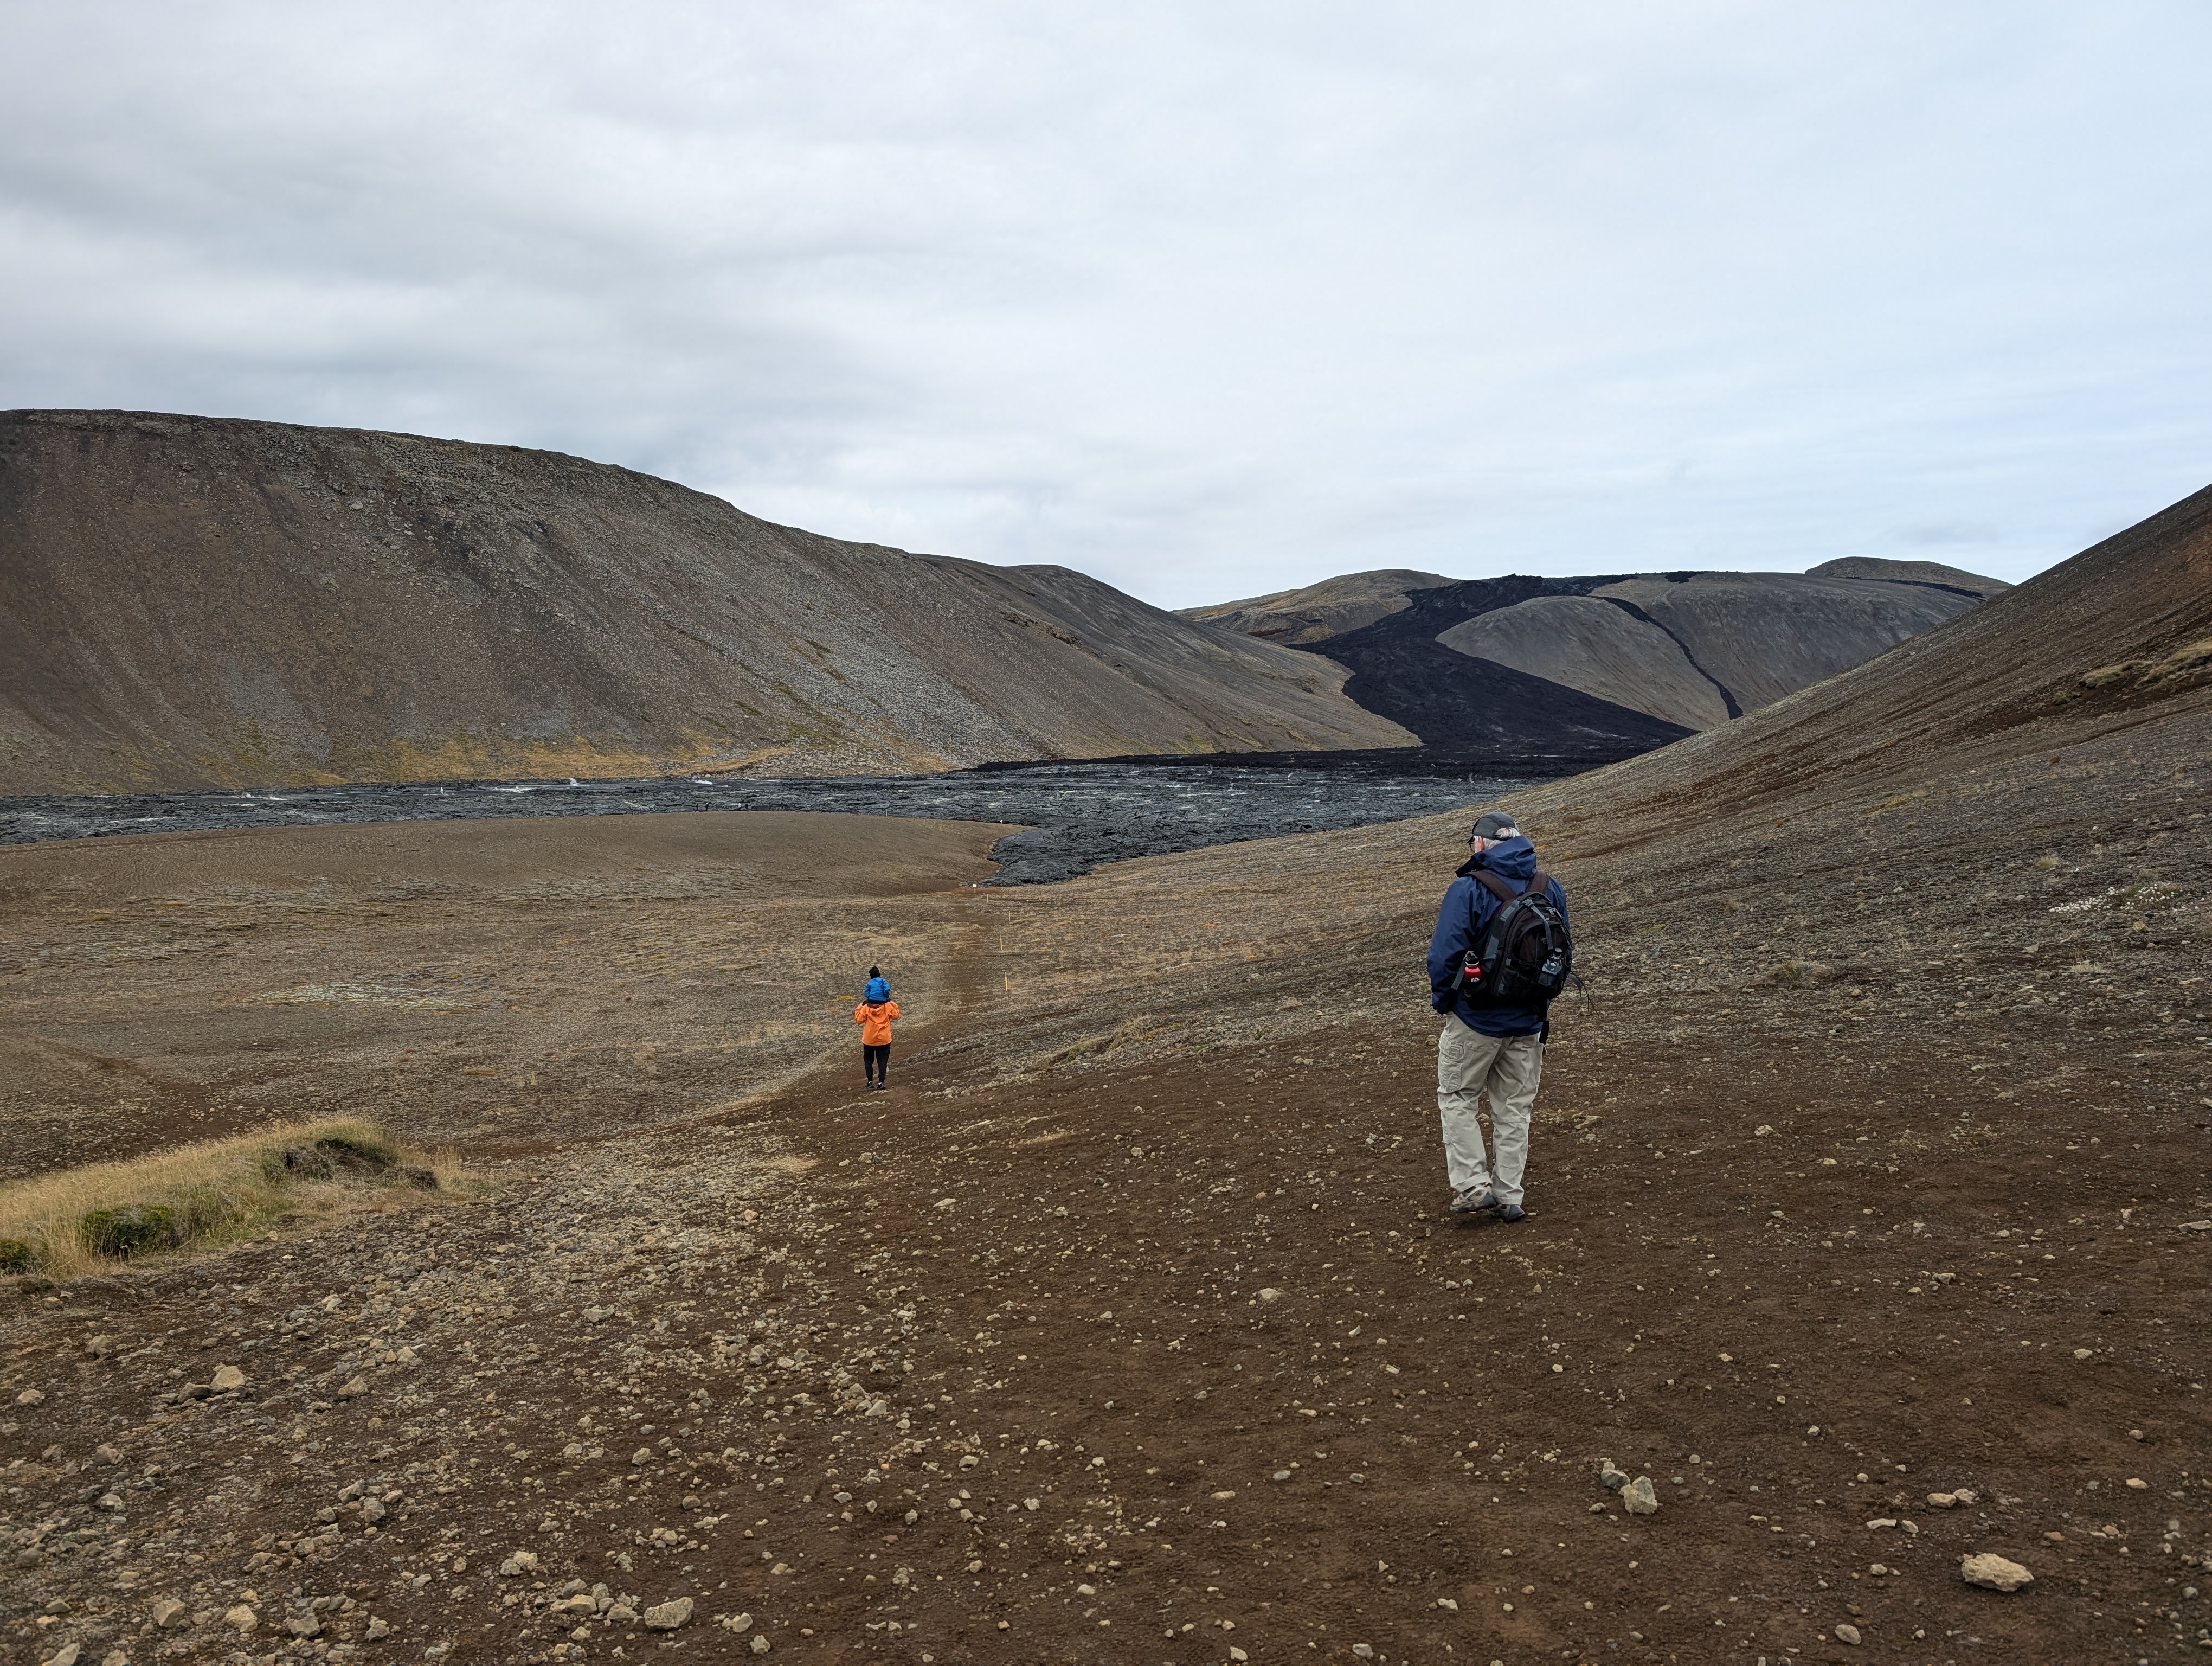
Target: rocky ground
[
  {"x": 1869, "y": 1215},
  {"x": 1072, "y": 816}
]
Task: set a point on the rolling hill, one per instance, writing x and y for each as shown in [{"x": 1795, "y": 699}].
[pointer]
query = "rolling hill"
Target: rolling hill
[
  {"x": 190, "y": 601},
  {"x": 1624, "y": 660}
]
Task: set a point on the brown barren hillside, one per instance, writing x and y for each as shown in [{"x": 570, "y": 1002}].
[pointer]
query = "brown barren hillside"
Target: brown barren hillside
[
  {"x": 1303, "y": 617},
  {"x": 187, "y": 601},
  {"x": 1868, "y": 1206}
]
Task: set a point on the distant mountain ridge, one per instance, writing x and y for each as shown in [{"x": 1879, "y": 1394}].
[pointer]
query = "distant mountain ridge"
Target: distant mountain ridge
[
  {"x": 1319, "y": 611},
  {"x": 1625, "y": 660},
  {"x": 190, "y": 601}
]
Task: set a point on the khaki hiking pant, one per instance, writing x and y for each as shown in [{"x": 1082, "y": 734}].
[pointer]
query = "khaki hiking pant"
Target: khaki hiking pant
[{"x": 1508, "y": 1069}]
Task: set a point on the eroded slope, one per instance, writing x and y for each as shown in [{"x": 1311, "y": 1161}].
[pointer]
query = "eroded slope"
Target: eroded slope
[{"x": 185, "y": 601}]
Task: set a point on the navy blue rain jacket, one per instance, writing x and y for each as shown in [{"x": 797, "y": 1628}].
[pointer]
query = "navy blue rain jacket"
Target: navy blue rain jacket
[{"x": 1467, "y": 907}]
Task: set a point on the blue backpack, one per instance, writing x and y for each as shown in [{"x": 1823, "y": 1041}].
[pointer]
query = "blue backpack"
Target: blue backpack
[{"x": 878, "y": 992}]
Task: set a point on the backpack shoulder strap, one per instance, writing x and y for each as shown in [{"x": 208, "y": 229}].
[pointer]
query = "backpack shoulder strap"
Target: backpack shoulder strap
[
  {"x": 1497, "y": 887},
  {"x": 1539, "y": 883}
]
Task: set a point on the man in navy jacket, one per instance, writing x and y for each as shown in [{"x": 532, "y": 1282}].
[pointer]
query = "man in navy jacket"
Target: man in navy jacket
[{"x": 1485, "y": 1047}]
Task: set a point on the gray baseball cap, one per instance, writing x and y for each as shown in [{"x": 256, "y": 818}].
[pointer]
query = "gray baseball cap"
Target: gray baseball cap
[{"x": 1495, "y": 826}]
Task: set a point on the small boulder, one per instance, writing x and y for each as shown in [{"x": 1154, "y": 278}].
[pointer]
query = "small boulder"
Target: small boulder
[
  {"x": 168, "y": 1613},
  {"x": 241, "y": 1619},
  {"x": 1994, "y": 1573},
  {"x": 64, "y": 1656},
  {"x": 760, "y": 1642},
  {"x": 31, "y": 1397},
  {"x": 355, "y": 1389},
  {"x": 1611, "y": 1479},
  {"x": 1640, "y": 1498},
  {"x": 667, "y": 1616},
  {"x": 227, "y": 1379},
  {"x": 1848, "y": 1633}
]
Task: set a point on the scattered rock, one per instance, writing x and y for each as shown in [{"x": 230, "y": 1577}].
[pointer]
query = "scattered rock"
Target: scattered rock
[
  {"x": 110, "y": 1501},
  {"x": 2085, "y": 1353},
  {"x": 1640, "y": 1498},
  {"x": 1847, "y": 1633},
  {"x": 760, "y": 1642},
  {"x": 522, "y": 1561},
  {"x": 30, "y": 1397},
  {"x": 227, "y": 1379},
  {"x": 372, "y": 1509},
  {"x": 64, "y": 1656},
  {"x": 1948, "y": 1500},
  {"x": 355, "y": 1389},
  {"x": 641, "y": 1457},
  {"x": 304, "y": 1625},
  {"x": 1762, "y": 1131},
  {"x": 594, "y": 1315},
  {"x": 667, "y": 1616},
  {"x": 736, "y": 1622},
  {"x": 241, "y": 1619},
  {"x": 2135, "y": 1485},
  {"x": 376, "y": 1629},
  {"x": 1994, "y": 1573},
  {"x": 1611, "y": 1479},
  {"x": 168, "y": 1612},
  {"x": 948, "y": 1202},
  {"x": 108, "y": 1454}
]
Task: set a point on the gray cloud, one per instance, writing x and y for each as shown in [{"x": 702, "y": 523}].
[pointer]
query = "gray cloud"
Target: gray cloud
[{"x": 1207, "y": 300}]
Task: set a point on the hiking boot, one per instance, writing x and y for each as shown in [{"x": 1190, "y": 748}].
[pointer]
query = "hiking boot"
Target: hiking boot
[
  {"x": 1472, "y": 1200},
  {"x": 1509, "y": 1212}
]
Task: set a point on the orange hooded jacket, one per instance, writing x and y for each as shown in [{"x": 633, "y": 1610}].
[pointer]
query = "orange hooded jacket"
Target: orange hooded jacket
[{"x": 875, "y": 1022}]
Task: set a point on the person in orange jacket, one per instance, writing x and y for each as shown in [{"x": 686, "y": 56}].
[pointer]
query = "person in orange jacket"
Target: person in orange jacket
[{"x": 874, "y": 1015}]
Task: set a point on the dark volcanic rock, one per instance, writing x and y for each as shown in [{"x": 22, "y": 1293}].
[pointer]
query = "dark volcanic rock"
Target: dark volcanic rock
[{"x": 1459, "y": 704}]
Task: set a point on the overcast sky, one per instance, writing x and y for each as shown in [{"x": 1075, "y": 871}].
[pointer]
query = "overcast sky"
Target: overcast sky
[{"x": 1205, "y": 299}]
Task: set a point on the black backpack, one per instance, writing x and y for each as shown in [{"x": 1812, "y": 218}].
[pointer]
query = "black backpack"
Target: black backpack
[{"x": 1524, "y": 956}]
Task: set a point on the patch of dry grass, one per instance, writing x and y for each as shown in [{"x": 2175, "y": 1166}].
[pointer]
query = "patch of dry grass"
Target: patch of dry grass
[{"x": 202, "y": 1197}]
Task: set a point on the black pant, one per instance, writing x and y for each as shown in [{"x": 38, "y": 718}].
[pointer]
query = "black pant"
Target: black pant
[{"x": 877, "y": 1061}]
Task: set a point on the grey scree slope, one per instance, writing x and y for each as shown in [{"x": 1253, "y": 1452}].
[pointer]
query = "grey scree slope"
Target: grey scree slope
[{"x": 188, "y": 601}]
